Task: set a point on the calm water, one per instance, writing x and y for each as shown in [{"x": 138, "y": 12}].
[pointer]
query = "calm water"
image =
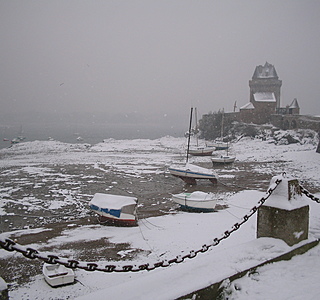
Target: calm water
[{"x": 89, "y": 133}]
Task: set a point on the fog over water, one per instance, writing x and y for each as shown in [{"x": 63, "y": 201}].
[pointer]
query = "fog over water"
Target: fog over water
[
  {"x": 134, "y": 68},
  {"x": 91, "y": 129}
]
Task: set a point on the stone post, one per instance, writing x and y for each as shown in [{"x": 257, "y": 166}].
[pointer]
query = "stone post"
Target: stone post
[{"x": 285, "y": 215}]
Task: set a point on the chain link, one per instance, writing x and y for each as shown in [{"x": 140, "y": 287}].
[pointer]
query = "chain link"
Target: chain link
[
  {"x": 309, "y": 195},
  {"x": 31, "y": 253}
]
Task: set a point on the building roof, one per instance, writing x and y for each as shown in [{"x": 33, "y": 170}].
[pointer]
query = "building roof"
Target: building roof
[
  {"x": 247, "y": 106},
  {"x": 264, "y": 97},
  {"x": 266, "y": 71},
  {"x": 294, "y": 104}
]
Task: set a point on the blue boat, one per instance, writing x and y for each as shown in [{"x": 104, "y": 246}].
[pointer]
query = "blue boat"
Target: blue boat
[{"x": 115, "y": 209}]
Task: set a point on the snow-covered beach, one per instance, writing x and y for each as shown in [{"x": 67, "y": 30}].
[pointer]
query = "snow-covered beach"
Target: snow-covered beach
[{"x": 46, "y": 186}]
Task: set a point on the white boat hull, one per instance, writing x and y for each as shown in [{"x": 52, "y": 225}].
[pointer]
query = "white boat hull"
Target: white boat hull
[
  {"x": 195, "y": 201},
  {"x": 57, "y": 275},
  {"x": 201, "y": 151},
  {"x": 223, "y": 159},
  {"x": 190, "y": 173}
]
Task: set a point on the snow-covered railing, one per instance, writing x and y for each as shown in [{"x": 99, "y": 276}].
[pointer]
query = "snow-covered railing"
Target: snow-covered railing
[{"x": 309, "y": 195}]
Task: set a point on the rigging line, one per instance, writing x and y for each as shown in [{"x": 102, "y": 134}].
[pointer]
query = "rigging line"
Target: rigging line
[
  {"x": 153, "y": 224},
  {"x": 233, "y": 214},
  {"x": 239, "y": 206},
  {"x": 147, "y": 242},
  {"x": 44, "y": 217}
]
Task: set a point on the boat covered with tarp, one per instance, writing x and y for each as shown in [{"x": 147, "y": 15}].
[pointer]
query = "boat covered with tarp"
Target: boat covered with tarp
[{"x": 115, "y": 209}]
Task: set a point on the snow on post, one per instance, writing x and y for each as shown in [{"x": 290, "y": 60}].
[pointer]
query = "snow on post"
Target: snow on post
[{"x": 285, "y": 215}]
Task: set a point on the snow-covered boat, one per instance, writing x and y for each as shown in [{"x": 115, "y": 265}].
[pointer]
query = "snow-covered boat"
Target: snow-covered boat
[
  {"x": 115, "y": 209},
  {"x": 189, "y": 173},
  {"x": 201, "y": 151},
  {"x": 57, "y": 275},
  {"x": 223, "y": 159},
  {"x": 196, "y": 201}
]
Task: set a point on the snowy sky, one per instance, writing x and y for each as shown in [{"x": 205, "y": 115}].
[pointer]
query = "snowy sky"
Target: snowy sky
[{"x": 153, "y": 56}]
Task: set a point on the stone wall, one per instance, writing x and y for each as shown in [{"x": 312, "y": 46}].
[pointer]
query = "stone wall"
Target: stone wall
[
  {"x": 295, "y": 121},
  {"x": 210, "y": 124}
]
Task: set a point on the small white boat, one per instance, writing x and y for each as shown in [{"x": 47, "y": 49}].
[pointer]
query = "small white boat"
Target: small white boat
[
  {"x": 18, "y": 140},
  {"x": 197, "y": 150},
  {"x": 196, "y": 201},
  {"x": 201, "y": 151},
  {"x": 57, "y": 275},
  {"x": 114, "y": 209},
  {"x": 189, "y": 173},
  {"x": 223, "y": 159}
]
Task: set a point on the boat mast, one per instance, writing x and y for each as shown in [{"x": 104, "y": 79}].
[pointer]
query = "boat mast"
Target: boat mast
[
  {"x": 189, "y": 133},
  {"x": 196, "y": 127},
  {"x": 222, "y": 115}
]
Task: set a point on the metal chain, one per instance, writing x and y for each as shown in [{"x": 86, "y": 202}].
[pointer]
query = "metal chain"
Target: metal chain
[
  {"x": 309, "y": 195},
  {"x": 31, "y": 253}
]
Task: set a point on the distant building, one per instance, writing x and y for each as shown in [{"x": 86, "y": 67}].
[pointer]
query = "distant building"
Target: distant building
[
  {"x": 265, "y": 91},
  {"x": 263, "y": 107},
  {"x": 292, "y": 109},
  {"x": 265, "y": 86}
]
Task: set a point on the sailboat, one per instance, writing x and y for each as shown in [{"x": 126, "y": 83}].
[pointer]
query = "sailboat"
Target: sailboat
[
  {"x": 189, "y": 173},
  {"x": 219, "y": 144},
  {"x": 223, "y": 159},
  {"x": 199, "y": 151}
]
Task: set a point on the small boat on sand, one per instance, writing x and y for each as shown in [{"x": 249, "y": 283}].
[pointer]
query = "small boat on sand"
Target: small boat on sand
[
  {"x": 190, "y": 172},
  {"x": 115, "y": 209},
  {"x": 198, "y": 150},
  {"x": 201, "y": 151},
  {"x": 223, "y": 159},
  {"x": 57, "y": 275},
  {"x": 196, "y": 201}
]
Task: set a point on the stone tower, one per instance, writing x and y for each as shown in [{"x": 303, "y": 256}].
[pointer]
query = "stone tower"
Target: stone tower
[{"x": 265, "y": 88}]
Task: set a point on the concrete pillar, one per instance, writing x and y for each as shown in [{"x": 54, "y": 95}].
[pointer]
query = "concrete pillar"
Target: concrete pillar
[{"x": 285, "y": 215}]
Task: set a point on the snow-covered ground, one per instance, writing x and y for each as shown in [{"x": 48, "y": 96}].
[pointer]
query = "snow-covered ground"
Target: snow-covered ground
[{"x": 168, "y": 235}]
